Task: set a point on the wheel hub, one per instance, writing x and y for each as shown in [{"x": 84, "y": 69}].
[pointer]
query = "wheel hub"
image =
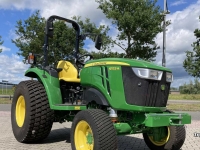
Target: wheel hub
[
  {"x": 83, "y": 136},
  {"x": 89, "y": 138},
  {"x": 20, "y": 111},
  {"x": 160, "y": 136}
]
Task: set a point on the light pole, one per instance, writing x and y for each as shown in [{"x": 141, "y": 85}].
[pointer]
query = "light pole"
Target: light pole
[{"x": 166, "y": 11}]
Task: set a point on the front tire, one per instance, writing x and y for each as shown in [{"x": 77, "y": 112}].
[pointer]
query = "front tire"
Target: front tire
[
  {"x": 31, "y": 116},
  {"x": 173, "y": 140},
  {"x": 93, "y": 130}
]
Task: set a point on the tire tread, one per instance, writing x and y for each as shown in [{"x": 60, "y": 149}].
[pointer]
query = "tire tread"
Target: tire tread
[
  {"x": 104, "y": 129},
  {"x": 41, "y": 116}
]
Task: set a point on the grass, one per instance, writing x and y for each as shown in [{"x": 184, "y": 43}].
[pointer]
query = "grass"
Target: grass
[
  {"x": 5, "y": 101},
  {"x": 6, "y": 92},
  {"x": 184, "y": 107},
  {"x": 184, "y": 96}
]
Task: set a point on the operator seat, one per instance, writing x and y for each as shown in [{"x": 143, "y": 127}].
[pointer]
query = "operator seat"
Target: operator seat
[{"x": 68, "y": 72}]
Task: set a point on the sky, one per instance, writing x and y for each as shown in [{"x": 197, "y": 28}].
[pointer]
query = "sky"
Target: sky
[{"x": 184, "y": 16}]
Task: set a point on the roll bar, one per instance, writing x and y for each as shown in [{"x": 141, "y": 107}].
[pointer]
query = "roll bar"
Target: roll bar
[{"x": 49, "y": 33}]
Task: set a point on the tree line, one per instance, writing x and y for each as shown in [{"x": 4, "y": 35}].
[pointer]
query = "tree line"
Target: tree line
[{"x": 191, "y": 88}]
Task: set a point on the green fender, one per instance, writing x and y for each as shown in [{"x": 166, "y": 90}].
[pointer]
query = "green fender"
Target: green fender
[{"x": 51, "y": 85}]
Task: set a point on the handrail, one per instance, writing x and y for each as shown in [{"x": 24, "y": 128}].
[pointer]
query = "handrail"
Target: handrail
[{"x": 6, "y": 96}]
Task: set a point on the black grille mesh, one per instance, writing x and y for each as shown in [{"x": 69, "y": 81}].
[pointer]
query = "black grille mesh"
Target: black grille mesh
[{"x": 143, "y": 92}]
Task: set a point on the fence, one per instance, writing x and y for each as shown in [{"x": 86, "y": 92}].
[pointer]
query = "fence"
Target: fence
[{"x": 6, "y": 96}]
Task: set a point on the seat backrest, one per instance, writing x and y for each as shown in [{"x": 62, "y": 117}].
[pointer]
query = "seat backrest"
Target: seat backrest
[{"x": 69, "y": 72}]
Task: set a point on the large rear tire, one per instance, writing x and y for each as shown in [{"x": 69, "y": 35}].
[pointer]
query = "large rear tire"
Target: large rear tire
[
  {"x": 31, "y": 116},
  {"x": 93, "y": 130}
]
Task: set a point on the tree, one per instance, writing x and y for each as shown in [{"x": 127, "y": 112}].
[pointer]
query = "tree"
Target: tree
[
  {"x": 191, "y": 88},
  {"x": 107, "y": 55},
  {"x": 88, "y": 27},
  {"x": 30, "y": 33},
  {"x": 192, "y": 61},
  {"x": 138, "y": 22},
  {"x": 1, "y": 42},
  {"x": 173, "y": 88}
]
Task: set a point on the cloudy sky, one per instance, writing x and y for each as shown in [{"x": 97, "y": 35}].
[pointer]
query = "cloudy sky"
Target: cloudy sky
[{"x": 184, "y": 18}]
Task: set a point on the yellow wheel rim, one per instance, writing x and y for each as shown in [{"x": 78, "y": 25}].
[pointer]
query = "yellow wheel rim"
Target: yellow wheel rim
[
  {"x": 83, "y": 136},
  {"x": 162, "y": 141},
  {"x": 20, "y": 111}
]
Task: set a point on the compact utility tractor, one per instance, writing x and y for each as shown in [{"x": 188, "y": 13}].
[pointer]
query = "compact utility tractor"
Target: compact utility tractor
[{"x": 103, "y": 98}]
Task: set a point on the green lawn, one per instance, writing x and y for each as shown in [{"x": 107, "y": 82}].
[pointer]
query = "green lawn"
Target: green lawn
[
  {"x": 5, "y": 101},
  {"x": 184, "y": 107},
  {"x": 184, "y": 97},
  {"x": 6, "y": 92}
]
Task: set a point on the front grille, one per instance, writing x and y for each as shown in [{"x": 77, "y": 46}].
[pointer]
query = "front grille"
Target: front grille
[{"x": 144, "y": 92}]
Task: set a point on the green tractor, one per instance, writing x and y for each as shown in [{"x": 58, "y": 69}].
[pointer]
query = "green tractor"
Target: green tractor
[{"x": 103, "y": 98}]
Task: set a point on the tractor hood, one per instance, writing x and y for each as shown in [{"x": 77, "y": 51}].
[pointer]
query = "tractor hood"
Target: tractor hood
[{"x": 125, "y": 62}]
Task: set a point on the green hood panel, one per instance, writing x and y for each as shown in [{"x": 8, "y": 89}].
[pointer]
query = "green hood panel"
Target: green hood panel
[{"x": 125, "y": 62}]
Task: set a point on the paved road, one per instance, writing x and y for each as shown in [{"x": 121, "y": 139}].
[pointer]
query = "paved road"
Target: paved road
[
  {"x": 5, "y": 107},
  {"x": 184, "y": 101},
  {"x": 59, "y": 138}
]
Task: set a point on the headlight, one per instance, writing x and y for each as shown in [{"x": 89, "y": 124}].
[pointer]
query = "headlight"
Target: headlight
[
  {"x": 169, "y": 77},
  {"x": 148, "y": 73}
]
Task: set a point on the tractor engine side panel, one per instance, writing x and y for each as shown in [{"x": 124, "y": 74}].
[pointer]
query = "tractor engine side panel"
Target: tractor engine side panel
[{"x": 108, "y": 81}]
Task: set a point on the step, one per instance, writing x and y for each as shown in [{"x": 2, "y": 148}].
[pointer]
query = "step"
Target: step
[{"x": 70, "y": 104}]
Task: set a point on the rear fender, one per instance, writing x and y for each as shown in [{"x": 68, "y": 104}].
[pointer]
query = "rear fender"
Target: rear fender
[{"x": 50, "y": 82}]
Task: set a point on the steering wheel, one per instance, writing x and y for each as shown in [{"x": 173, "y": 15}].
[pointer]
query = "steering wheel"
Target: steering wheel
[{"x": 78, "y": 61}]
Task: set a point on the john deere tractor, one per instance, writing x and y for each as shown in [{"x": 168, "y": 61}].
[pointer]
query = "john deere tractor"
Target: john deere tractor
[{"x": 102, "y": 98}]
